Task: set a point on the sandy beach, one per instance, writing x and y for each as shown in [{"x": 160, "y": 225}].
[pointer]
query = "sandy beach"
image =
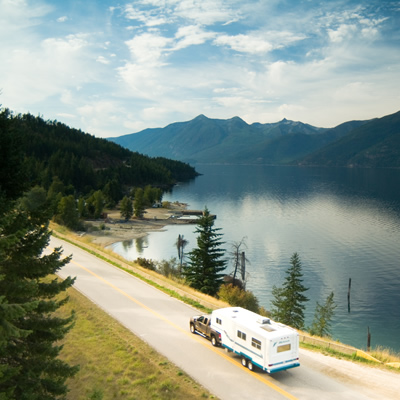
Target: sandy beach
[{"x": 115, "y": 229}]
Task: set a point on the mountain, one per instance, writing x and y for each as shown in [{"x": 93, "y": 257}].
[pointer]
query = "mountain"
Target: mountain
[
  {"x": 375, "y": 144},
  {"x": 206, "y": 140}
]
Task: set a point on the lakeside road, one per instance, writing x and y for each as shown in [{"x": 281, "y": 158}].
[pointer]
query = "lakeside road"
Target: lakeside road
[{"x": 163, "y": 322}]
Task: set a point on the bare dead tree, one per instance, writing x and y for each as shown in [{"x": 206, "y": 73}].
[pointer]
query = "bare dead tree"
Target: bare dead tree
[{"x": 239, "y": 259}]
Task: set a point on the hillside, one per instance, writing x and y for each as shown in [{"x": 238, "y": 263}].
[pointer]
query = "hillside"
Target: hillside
[
  {"x": 205, "y": 140},
  {"x": 82, "y": 162},
  {"x": 375, "y": 144}
]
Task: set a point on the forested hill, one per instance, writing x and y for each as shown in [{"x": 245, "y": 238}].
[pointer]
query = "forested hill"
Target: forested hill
[
  {"x": 375, "y": 144},
  {"x": 82, "y": 162}
]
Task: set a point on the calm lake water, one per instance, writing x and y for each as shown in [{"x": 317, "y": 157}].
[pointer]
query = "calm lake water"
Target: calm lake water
[{"x": 344, "y": 223}]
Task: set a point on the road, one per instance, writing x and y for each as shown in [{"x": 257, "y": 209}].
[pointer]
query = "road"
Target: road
[{"x": 163, "y": 322}]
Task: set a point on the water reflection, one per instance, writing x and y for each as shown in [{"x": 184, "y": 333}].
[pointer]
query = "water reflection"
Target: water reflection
[{"x": 343, "y": 223}]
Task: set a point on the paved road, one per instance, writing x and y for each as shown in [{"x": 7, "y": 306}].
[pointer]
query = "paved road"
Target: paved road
[{"x": 163, "y": 322}]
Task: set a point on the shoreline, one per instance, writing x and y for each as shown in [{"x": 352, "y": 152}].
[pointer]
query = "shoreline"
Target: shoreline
[{"x": 115, "y": 229}]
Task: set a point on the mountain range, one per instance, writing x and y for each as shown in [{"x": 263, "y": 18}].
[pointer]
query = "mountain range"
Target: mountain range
[{"x": 372, "y": 143}]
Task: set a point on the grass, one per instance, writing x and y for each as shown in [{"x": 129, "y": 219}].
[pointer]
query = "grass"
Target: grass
[
  {"x": 383, "y": 355},
  {"x": 115, "y": 364}
]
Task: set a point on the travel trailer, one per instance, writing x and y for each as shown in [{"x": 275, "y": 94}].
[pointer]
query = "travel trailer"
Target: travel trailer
[{"x": 261, "y": 342}]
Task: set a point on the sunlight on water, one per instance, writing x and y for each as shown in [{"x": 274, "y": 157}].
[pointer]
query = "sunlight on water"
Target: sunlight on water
[{"x": 343, "y": 223}]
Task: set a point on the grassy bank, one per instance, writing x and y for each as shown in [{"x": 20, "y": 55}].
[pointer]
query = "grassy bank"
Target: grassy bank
[{"x": 115, "y": 364}]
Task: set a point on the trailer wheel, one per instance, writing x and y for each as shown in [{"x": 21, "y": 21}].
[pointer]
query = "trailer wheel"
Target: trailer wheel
[
  {"x": 250, "y": 366},
  {"x": 244, "y": 362},
  {"x": 192, "y": 328},
  {"x": 214, "y": 341}
]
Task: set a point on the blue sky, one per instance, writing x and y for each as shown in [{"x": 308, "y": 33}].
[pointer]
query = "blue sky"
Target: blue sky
[{"x": 113, "y": 68}]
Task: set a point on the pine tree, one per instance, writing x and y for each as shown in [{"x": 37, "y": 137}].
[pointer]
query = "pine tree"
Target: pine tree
[
  {"x": 288, "y": 303},
  {"x": 138, "y": 204},
  {"x": 28, "y": 282},
  {"x": 203, "y": 271},
  {"x": 322, "y": 317},
  {"x": 126, "y": 208}
]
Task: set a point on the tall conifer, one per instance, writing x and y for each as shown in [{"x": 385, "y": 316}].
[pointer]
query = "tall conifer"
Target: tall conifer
[
  {"x": 203, "y": 271},
  {"x": 288, "y": 303}
]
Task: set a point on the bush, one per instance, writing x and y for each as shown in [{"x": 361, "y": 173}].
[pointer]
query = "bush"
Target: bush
[
  {"x": 145, "y": 263},
  {"x": 238, "y": 297},
  {"x": 170, "y": 268}
]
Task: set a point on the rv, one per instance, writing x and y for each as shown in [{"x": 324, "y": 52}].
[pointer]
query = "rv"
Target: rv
[{"x": 259, "y": 341}]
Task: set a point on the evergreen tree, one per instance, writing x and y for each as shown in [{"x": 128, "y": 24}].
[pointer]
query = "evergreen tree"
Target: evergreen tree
[
  {"x": 288, "y": 303},
  {"x": 203, "y": 271},
  {"x": 126, "y": 208},
  {"x": 67, "y": 213},
  {"x": 81, "y": 207},
  {"x": 95, "y": 204},
  {"x": 33, "y": 370},
  {"x": 322, "y": 317},
  {"x": 138, "y": 203}
]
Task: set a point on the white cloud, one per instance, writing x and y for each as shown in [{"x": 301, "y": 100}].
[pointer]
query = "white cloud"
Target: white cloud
[
  {"x": 341, "y": 33},
  {"x": 148, "y": 18},
  {"x": 206, "y": 12},
  {"x": 191, "y": 35},
  {"x": 148, "y": 48},
  {"x": 245, "y": 43}
]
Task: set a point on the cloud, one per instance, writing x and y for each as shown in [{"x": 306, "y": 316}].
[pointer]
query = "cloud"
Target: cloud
[
  {"x": 191, "y": 35},
  {"x": 148, "y": 48},
  {"x": 341, "y": 33},
  {"x": 148, "y": 18},
  {"x": 206, "y": 12}
]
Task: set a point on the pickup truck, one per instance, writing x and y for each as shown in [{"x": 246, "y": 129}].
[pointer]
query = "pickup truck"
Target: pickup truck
[{"x": 202, "y": 325}]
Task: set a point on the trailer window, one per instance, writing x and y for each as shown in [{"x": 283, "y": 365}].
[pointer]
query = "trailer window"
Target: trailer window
[
  {"x": 284, "y": 347},
  {"x": 219, "y": 321},
  {"x": 241, "y": 335},
  {"x": 256, "y": 343}
]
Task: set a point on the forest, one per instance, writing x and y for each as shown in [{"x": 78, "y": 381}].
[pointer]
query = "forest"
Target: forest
[{"x": 68, "y": 162}]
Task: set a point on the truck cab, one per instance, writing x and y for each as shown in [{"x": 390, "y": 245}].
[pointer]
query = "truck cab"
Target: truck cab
[{"x": 202, "y": 324}]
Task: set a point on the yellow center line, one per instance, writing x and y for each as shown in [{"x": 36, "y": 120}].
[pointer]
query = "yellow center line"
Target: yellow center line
[{"x": 196, "y": 337}]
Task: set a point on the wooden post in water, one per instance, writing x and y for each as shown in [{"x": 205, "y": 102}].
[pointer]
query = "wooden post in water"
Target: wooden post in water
[
  {"x": 348, "y": 295},
  {"x": 368, "y": 340}
]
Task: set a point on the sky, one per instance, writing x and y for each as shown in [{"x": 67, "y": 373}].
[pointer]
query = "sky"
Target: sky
[{"x": 114, "y": 68}]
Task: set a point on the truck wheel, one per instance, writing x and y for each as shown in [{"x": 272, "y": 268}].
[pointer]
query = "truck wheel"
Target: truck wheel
[
  {"x": 214, "y": 341},
  {"x": 244, "y": 362},
  {"x": 250, "y": 366},
  {"x": 192, "y": 328}
]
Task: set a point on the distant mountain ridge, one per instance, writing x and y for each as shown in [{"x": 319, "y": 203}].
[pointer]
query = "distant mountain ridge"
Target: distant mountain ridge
[{"x": 233, "y": 141}]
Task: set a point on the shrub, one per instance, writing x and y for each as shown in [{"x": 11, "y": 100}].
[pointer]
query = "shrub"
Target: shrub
[
  {"x": 145, "y": 263},
  {"x": 238, "y": 297}
]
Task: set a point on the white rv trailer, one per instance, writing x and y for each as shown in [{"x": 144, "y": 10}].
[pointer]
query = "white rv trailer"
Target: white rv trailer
[{"x": 260, "y": 342}]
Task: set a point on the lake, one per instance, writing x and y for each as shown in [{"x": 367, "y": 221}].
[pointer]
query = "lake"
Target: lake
[{"x": 343, "y": 223}]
